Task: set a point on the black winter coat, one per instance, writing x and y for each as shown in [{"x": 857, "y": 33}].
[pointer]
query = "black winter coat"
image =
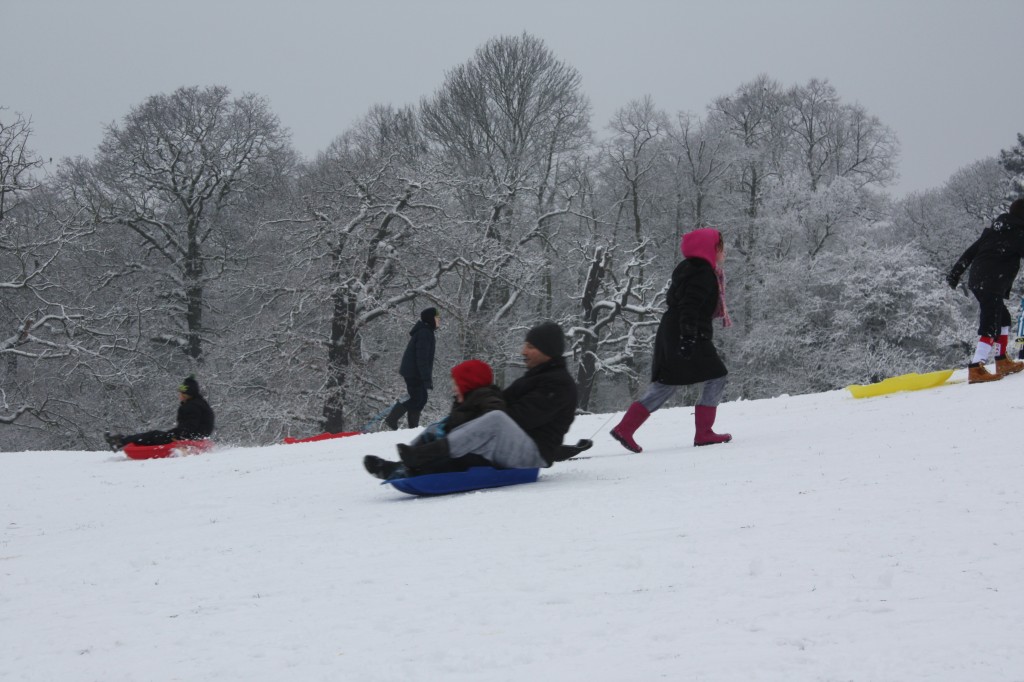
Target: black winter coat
[
  {"x": 543, "y": 403},
  {"x": 195, "y": 419},
  {"x": 692, "y": 299},
  {"x": 477, "y": 402},
  {"x": 994, "y": 258},
  {"x": 418, "y": 358}
]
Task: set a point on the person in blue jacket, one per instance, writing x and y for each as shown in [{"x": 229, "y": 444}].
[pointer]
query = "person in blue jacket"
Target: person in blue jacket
[{"x": 417, "y": 369}]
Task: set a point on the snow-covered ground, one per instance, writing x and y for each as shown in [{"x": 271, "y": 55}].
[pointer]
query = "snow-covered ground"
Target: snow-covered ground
[{"x": 833, "y": 539}]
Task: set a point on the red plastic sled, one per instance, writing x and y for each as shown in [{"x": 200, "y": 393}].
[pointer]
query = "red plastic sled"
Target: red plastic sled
[
  {"x": 178, "y": 448},
  {"x": 323, "y": 436}
]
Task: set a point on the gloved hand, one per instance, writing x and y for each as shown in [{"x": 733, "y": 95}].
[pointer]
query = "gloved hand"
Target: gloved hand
[
  {"x": 686, "y": 345},
  {"x": 952, "y": 280}
]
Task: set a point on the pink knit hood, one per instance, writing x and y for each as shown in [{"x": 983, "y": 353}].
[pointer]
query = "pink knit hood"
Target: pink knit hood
[{"x": 702, "y": 243}]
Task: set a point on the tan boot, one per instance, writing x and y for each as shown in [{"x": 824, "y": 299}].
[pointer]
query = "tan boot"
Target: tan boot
[
  {"x": 977, "y": 374},
  {"x": 1005, "y": 365}
]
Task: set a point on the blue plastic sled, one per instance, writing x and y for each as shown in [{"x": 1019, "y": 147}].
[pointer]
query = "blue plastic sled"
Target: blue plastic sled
[{"x": 476, "y": 478}]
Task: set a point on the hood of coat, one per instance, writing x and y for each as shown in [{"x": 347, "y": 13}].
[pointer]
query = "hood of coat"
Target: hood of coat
[
  {"x": 1007, "y": 221},
  {"x": 420, "y": 324},
  {"x": 703, "y": 244}
]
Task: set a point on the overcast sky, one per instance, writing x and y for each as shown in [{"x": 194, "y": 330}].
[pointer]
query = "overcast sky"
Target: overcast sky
[{"x": 944, "y": 74}]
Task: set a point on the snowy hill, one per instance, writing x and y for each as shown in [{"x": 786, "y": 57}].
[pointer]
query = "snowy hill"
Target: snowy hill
[{"x": 833, "y": 539}]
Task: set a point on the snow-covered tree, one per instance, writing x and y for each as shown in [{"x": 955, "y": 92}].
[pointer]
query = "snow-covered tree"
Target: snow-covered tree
[
  {"x": 1012, "y": 160},
  {"x": 945, "y": 220},
  {"x": 165, "y": 179},
  {"x": 47, "y": 329},
  {"x": 362, "y": 239},
  {"x": 508, "y": 128}
]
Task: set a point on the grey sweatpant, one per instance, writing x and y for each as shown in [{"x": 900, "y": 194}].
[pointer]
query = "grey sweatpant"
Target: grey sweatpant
[
  {"x": 495, "y": 437},
  {"x": 710, "y": 393}
]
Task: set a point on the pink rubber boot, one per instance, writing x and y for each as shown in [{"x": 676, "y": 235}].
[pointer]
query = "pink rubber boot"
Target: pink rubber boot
[
  {"x": 704, "y": 417},
  {"x": 636, "y": 415}
]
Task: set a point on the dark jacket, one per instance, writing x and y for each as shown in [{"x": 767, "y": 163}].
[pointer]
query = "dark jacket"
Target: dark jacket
[
  {"x": 418, "y": 359},
  {"x": 994, "y": 258},
  {"x": 543, "y": 403},
  {"x": 477, "y": 402},
  {"x": 195, "y": 419},
  {"x": 692, "y": 299}
]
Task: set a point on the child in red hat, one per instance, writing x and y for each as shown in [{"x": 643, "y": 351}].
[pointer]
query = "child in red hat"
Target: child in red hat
[{"x": 475, "y": 395}]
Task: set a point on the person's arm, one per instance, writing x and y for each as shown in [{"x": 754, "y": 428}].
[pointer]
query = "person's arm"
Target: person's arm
[
  {"x": 189, "y": 418},
  {"x": 694, "y": 295},
  {"x": 534, "y": 408},
  {"x": 425, "y": 356},
  {"x": 964, "y": 262}
]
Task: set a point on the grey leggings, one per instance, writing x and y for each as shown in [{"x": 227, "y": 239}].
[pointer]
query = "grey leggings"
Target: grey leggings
[{"x": 710, "y": 393}]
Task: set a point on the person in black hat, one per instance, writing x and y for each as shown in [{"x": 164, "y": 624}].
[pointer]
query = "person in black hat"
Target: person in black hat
[
  {"x": 417, "y": 369},
  {"x": 195, "y": 421},
  {"x": 994, "y": 261},
  {"x": 540, "y": 406}
]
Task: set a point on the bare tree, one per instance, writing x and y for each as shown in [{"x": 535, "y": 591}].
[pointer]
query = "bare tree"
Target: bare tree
[
  {"x": 168, "y": 174},
  {"x": 618, "y": 314},
  {"x": 509, "y": 125},
  {"x": 364, "y": 238},
  {"x": 754, "y": 117},
  {"x": 635, "y": 151},
  {"x": 703, "y": 156},
  {"x": 943, "y": 221},
  {"x": 1012, "y": 160},
  {"x": 18, "y": 163},
  {"x": 44, "y": 328}
]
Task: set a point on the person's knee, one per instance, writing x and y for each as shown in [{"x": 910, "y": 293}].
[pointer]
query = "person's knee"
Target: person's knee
[{"x": 494, "y": 415}]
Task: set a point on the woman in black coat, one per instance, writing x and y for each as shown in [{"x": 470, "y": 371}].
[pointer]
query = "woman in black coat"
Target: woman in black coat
[
  {"x": 417, "y": 369},
  {"x": 683, "y": 350},
  {"x": 994, "y": 260}
]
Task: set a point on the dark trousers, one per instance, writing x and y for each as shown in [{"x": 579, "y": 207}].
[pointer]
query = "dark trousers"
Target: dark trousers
[
  {"x": 160, "y": 437},
  {"x": 994, "y": 315},
  {"x": 417, "y": 395},
  {"x": 151, "y": 438}
]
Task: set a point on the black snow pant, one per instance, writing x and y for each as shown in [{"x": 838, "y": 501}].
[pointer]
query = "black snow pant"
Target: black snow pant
[
  {"x": 150, "y": 438},
  {"x": 159, "y": 437},
  {"x": 993, "y": 313}
]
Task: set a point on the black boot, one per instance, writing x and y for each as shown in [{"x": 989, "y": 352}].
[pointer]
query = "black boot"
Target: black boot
[
  {"x": 391, "y": 421},
  {"x": 569, "y": 451},
  {"x": 432, "y": 457},
  {"x": 414, "y": 419},
  {"x": 115, "y": 441},
  {"x": 382, "y": 468}
]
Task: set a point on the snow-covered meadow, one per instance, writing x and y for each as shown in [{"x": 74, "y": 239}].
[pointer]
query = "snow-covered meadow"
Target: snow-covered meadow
[{"x": 833, "y": 539}]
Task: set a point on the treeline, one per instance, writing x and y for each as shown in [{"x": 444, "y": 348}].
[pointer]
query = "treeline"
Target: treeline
[{"x": 196, "y": 241}]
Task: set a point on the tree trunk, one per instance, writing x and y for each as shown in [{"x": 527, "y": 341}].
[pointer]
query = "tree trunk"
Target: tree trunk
[
  {"x": 340, "y": 350},
  {"x": 194, "y": 295},
  {"x": 586, "y": 372}
]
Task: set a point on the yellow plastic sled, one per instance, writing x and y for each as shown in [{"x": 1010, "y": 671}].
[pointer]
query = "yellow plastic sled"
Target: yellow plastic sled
[{"x": 904, "y": 382}]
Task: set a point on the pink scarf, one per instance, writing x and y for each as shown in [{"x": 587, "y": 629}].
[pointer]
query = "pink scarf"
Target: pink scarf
[
  {"x": 720, "y": 309},
  {"x": 703, "y": 243}
]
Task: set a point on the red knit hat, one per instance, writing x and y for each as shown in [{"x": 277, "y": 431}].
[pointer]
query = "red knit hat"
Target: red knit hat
[{"x": 472, "y": 374}]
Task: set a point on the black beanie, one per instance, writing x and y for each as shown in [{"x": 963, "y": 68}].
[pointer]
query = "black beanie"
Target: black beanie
[
  {"x": 1017, "y": 209},
  {"x": 189, "y": 387},
  {"x": 428, "y": 316},
  {"x": 547, "y": 337}
]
